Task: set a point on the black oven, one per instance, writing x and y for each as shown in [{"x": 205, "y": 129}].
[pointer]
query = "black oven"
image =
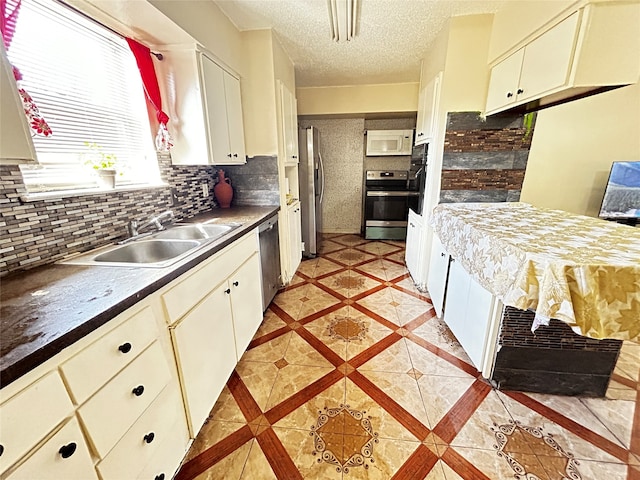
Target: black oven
[
  {"x": 418, "y": 173},
  {"x": 386, "y": 204}
]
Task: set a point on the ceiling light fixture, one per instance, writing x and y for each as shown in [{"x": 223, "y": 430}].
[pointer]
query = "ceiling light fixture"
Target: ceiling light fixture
[{"x": 343, "y": 17}]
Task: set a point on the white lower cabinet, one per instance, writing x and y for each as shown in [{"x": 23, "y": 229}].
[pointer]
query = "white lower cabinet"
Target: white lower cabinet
[
  {"x": 212, "y": 336},
  {"x": 64, "y": 455},
  {"x": 295, "y": 238},
  {"x": 413, "y": 252},
  {"x": 473, "y": 314},
  {"x": 438, "y": 272},
  {"x": 206, "y": 354}
]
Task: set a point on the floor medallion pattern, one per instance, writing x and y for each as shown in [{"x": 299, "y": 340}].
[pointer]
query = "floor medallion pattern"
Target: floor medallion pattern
[
  {"x": 347, "y": 329},
  {"x": 351, "y": 376},
  {"x": 344, "y": 437},
  {"x": 516, "y": 442}
]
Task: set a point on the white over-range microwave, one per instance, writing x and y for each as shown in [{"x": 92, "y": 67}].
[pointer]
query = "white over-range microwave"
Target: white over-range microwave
[{"x": 389, "y": 142}]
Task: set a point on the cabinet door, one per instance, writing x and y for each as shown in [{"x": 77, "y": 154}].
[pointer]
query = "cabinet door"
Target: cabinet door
[
  {"x": 206, "y": 354},
  {"x": 246, "y": 302},
  {"x": 289, "y": 125},
  {"x": 438, "y": 273},
  {"x": 216, "y": 111},
  {"x": 413, "y": 246},
  {"x": 428, "y": 104},
  {"x": 234, "y": 119},
  {"x": 295, "y": 238},
  {"x": 65, "y": 455},
  {"x": 547, "y": 60},
  {"x": 503, "y": 83}
]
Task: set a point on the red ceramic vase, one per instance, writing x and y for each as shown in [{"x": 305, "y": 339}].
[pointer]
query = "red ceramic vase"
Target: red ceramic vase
[{"x": 223, "y": 190}]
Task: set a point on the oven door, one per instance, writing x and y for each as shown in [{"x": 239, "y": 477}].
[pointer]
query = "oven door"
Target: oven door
[{"x": 389, "y": 208}]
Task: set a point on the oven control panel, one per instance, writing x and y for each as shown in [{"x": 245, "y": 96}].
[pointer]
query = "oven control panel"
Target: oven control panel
[{"x": 387, "y": 174}]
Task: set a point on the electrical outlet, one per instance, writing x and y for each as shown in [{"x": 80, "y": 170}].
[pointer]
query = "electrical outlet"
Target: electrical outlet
[{"x": 205, "y": 190}]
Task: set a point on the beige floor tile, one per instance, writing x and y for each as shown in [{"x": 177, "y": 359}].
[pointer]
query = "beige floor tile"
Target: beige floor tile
[
  {"x": 306, "y": 416},
  {"x": 314, "y": 301},
  {"x": 477, "y": 433},
  {"x": 270, "y": 323},
  {"x": 325, "y": 266},
  {"x": 614, "y": 414},
  {"x": 211, "y": 433},
  {"x": 395, "y": 359},
  {"x": 259, "y": 378},
  {"x": 299, "y": 444},
  {"x": 308, "y": 266},
  {"x": 408, "y": 284},
  {"x": 291, "y": 300},
  {"x": 440, "y": 393},
  {"x": 292, "y": 379},
  {"x": 388, "y": 456},
  {"x": 350, "y": 240},
  {"x": 618, "y": 391},
  {"x": 369, "y": 322},
  {"x": 374, "y": 268},
  {"x": 257, "y": 466},
  {"x": 270, "y": 352},
  {"x": 494, "y": 466},
  {"x": 571, "y": 443},
  {"x": 382, "y": 422},
  {"x": 230, "y": 467},
  {"x": 430, "y": 364},
  {"x": 368, "y": 338},
  {"x": 296, "y": 280},
  {"x": 299, "y": 352},
  {"x": 404, "y": 390},
  {"x": 436, "y": 332},
  {"x": 438, "y": 473},
  {"x": 410, "y": 311},
  {"x": 328, "y": 246},
  {"x": 392, "y": 270},
  {"x": 339, "y": 282},
  {"x": 371, "y": 247},
  {"x": 449, "y": 473},
  {"x": 397, "y": 257},
  {"x": 382, "y": 303},
  {"x": 226, "y": 409},
  {"x": 321, "y": 328},
  {"x": 628, "y": 365}
]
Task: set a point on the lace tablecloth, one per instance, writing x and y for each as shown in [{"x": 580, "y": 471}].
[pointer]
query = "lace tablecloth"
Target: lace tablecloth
[{"x": 581, "y": 270}]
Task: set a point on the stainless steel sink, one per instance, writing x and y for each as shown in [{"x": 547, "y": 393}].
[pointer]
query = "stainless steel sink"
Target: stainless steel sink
[
  {"x": 196, "y": 231},
  {"x": 147, "y": 251},
  {"x": 159, "y": 249}
]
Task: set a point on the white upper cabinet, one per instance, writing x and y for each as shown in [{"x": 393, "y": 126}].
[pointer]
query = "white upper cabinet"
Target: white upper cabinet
[
  {"x": 205, "y": 109},
  {"x": 427, "y": 110},
  {"x": 16, "y": 145},
  {"x": 289, "y": 109},
  {"x": 588, "y": 51}
]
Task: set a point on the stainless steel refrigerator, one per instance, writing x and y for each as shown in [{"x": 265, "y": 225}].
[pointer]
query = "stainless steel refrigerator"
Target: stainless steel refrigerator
[{"x": 311, "y": 184}]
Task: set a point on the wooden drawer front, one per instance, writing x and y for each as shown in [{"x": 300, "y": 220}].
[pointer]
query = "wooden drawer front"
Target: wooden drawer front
[
  {"x": 111, "y": 411},
  {"x": 108, "y": 355},
  {"x": 193, "y": 288},
  {"x": 137, "y": 447},
  {"x": 29, "y": 416},
  {"x": 168, "y": 456},
  {"x": 48, "y": 461}
]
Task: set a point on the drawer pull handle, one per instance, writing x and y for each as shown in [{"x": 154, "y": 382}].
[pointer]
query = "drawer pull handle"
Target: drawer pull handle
[
  {"x": 235, "y": 284},
  {"x": 160, "y": 477},
  {"x": 520, "y": 91},
  {"x": 125, "y": 347},
  {"x": 509, "y": 95},
  {"x": 148, "y": 438},
  {"x": 229, "y": 155},
  {"x": 1, "y": 450},
  {"x": 227, "y": 291},
  {"x": 67, "y": 450},
  {"x": 442, "y": 254},
  {"x": 139, "y": 390}
]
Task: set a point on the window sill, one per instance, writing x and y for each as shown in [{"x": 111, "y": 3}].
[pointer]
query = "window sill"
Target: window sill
[{"x": 59, "y": 194}]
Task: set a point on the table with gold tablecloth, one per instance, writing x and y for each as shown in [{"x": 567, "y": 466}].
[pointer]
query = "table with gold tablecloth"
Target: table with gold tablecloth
[{"x": 581, "y": 270}]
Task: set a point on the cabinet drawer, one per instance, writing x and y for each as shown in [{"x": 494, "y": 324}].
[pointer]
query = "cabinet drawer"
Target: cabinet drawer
[
  {"x": 187, "y": 292},
  {"x": 109, "y": 355},
  {"x": 167, "y": 458},
  {"x": 30, "y": 415},
  {"x": 139, "y": 444},
  {"x": 65, "y": 455},
  {"x": 111, "y": 411}
]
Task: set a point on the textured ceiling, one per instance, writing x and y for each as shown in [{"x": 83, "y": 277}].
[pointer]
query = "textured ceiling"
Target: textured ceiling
[{"x": 393, "y": 36}]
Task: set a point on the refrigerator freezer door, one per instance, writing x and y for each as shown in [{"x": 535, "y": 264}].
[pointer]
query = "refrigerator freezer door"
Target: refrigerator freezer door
[{"x": 308, "y": 175}]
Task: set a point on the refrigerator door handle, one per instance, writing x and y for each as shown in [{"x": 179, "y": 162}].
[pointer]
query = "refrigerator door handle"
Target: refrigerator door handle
[{"x": 321, "y": 176}]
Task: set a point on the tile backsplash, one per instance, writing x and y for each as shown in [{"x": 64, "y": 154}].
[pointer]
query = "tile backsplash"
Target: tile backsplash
[{"x": 39, "y": 232}]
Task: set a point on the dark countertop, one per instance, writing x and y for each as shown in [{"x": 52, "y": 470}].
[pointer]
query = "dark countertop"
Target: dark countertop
[{"x": 44, "y": 310}]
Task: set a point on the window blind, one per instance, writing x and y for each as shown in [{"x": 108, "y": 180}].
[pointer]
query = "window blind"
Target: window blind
[{"x": 86, "y": 84}]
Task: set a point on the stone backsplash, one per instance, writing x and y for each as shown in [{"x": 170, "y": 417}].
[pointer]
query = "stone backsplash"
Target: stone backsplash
[
  {"x": 484, "y": 159},
  {"x": 38, "y": 232}
]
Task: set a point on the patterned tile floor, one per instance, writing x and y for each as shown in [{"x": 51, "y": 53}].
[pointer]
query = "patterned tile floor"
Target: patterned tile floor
[{"x": 351, "y": 376}]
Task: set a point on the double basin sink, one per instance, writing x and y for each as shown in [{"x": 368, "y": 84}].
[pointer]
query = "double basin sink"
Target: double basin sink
[{"x": 160, "y": 249}]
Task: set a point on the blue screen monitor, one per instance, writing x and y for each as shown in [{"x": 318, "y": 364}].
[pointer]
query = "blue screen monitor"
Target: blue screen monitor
[{"x": 622, "y": 195}]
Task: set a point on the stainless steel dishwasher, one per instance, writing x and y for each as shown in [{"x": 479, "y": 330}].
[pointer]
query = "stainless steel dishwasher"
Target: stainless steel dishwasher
[{"x": 269, "y": 259}]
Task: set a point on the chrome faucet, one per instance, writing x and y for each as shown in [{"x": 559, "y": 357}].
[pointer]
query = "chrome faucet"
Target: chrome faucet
[{"x": 133, "y": 227}]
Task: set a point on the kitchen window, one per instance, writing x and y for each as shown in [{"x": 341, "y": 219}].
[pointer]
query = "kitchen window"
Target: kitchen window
[{"x": 86, "y": 84}]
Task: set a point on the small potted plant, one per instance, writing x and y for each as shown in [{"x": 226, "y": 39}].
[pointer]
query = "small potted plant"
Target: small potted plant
[{"x": 103, "y": 164}]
